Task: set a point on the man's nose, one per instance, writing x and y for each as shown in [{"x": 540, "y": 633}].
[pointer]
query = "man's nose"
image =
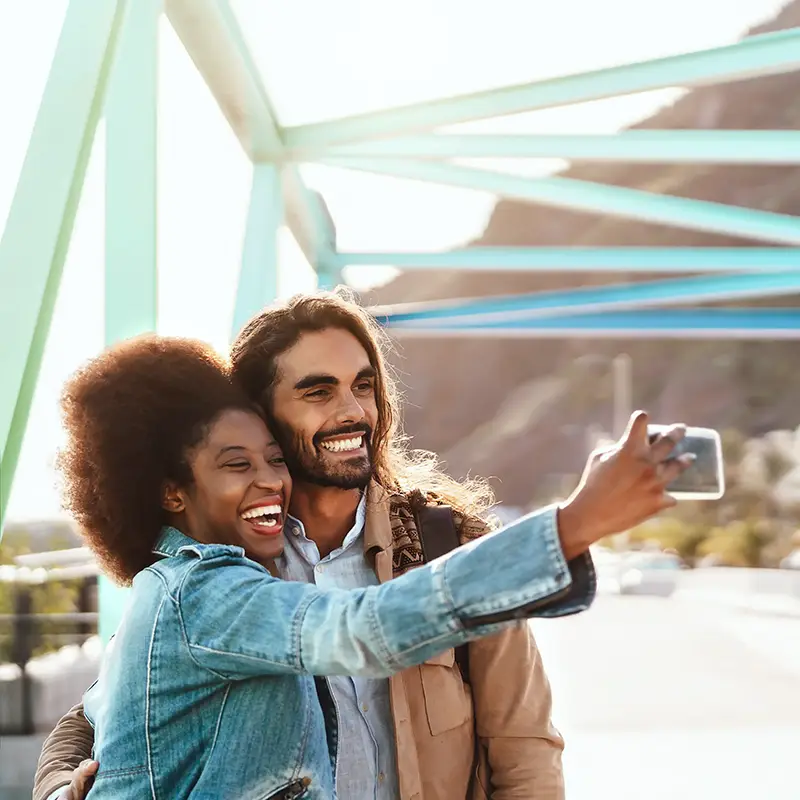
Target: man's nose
[{"x": 350, "y": 410}]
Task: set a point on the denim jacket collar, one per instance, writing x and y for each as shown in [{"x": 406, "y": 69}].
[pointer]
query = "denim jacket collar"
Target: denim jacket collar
[{"x": 171, "y": 541}]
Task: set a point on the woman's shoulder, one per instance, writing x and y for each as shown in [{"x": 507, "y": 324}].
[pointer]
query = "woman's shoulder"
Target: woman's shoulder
[
  {"x": 174, "y": 552},
  {"x": 175, "y": 562}
]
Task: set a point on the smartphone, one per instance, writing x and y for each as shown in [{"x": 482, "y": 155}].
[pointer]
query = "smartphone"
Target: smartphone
[{"x": 705, "y": 479}]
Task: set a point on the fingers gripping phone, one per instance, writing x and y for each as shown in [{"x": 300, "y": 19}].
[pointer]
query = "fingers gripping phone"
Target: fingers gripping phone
[{"x": 705, "y": 478}]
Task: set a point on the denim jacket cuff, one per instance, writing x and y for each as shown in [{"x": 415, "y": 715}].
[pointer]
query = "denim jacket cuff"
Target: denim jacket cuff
[{"x": 529, "y": 558}]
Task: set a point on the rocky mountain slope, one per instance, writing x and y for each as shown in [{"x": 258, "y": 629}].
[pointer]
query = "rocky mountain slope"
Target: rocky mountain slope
[{"x": 518, "y": 410}]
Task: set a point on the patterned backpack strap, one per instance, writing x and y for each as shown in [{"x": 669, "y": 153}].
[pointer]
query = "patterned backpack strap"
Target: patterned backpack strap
[{"x": 438, "y": 535}]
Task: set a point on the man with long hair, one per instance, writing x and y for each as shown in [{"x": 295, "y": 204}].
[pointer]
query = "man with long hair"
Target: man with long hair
[
  {"x": 430, "y": 731},
  {"x": 452, "y": 728}
]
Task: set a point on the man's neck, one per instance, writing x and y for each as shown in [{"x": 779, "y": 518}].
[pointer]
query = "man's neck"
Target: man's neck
[{"x": 328, "y": 514}]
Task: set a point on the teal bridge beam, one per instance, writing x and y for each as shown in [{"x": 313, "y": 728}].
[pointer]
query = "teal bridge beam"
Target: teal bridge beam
[
  {"x": 131, "y": 268},
  {"x": 131, "y": 185},
  {"x": 212, "y": 36},
  {"x": 702, "y": 289},
  {"x": 258, "y": 279},
  {"x": 640, "y": 146},
  {"x": 39, "y": 226},
  {"x": 585, "y": 259},
  {"x": 768, "y": 54},
  {"x": 672, "y": 323},
  {"x": 580, "y": 195}
]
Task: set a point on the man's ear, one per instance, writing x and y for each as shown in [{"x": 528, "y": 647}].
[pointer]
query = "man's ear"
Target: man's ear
[{"x": 172, "y": 499}]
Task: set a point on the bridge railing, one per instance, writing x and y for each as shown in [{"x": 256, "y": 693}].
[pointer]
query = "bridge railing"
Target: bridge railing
[{"x": 25, "y": 685}]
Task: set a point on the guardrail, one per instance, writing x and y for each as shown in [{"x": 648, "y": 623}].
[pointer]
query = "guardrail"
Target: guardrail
[
  {"x": 770, "y": 591},
  {"x": 26, "y": 630},
  {"x": 767, "y": 591}
]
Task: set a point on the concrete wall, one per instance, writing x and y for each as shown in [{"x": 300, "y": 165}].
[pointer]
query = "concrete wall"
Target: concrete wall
[
  {"x": 58, "y": 682},
  {"x": 18, "y": 757}
]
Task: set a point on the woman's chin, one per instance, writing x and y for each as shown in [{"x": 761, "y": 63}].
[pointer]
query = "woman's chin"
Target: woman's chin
[
  {"x": 264, "y": 549},
  {"x": 262, "y": 543}
]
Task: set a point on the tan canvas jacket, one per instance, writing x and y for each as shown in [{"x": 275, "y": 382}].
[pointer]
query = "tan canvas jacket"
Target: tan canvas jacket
[{"x": 491, "y": 739}]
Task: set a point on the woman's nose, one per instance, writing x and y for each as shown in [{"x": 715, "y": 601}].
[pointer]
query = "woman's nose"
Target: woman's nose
[{"x": 269, "y": 478}]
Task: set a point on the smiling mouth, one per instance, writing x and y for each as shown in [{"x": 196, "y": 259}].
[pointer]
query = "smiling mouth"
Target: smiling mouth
[
  {"x": 349, "y": 445},
  {"x": 264, "y": 519}
]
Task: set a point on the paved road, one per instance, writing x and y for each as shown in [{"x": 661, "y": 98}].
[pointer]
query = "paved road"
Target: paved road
[{"x": 662, "y": 699}]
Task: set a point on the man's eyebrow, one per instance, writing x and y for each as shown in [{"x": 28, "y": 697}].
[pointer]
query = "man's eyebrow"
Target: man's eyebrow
[
  {"x": 316, "y": 380},
  {"x": 323, "y": 379}
]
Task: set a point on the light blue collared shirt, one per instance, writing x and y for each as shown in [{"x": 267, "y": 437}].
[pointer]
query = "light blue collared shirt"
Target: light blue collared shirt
[{"x": 366, "y": 766}]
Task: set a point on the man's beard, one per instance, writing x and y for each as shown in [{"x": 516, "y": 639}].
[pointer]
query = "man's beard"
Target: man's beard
[{"x": 312, "y": 467}]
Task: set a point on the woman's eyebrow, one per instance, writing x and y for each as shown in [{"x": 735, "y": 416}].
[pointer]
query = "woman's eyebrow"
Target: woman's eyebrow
[{"x": 229, "y": 447}]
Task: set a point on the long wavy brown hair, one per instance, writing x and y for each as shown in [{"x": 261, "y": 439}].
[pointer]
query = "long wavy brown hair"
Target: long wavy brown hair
[{"x": 396, "y": 466}]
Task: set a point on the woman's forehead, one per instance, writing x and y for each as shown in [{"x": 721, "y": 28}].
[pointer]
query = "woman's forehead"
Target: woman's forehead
[{"x": 237, "y": 427}]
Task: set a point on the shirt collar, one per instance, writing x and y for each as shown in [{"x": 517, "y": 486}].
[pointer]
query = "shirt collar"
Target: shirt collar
[{"x": 297, "y": 528}]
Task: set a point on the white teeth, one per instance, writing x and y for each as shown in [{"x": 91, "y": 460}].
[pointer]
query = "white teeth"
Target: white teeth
[
  {"x": 262, "y": 511},
  {"x": 343, "y": 445}
]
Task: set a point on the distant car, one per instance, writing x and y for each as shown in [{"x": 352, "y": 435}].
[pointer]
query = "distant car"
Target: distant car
[{"x": 650, "y": 573}]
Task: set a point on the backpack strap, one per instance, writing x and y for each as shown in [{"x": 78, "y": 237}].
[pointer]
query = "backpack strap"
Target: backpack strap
[{"x": 438, "y": 536}]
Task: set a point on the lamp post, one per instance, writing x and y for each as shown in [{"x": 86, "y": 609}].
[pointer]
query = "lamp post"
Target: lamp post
[
  {"x": 621, "y": 373},
  {"x": 623, "y": 390}
]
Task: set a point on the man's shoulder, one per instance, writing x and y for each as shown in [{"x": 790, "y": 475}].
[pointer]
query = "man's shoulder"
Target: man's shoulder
[
  {"x": 406, "y": 544},
  {"x": 403, "y": 505}
]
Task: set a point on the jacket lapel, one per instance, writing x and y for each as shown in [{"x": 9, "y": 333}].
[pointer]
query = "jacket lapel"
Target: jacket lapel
[
  {"x": 378, "y": 532},
  {"x": 378, "y": 545}
]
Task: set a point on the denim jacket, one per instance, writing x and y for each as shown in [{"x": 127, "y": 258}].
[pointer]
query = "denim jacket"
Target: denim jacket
[{"x": 206, "y": 690}]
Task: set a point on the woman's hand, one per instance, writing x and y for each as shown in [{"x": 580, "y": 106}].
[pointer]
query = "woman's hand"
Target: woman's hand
[{"x": 622, "y": 486}]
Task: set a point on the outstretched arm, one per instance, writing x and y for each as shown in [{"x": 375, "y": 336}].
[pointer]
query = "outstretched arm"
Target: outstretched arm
[{"x": 240, "y": 622}]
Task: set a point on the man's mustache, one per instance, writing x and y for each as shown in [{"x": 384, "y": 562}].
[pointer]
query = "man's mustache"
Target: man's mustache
[{"x": 354, "y": 430}]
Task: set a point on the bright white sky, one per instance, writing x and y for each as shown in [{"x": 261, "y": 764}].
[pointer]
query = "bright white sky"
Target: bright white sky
[{"x": 358, "y": 55}]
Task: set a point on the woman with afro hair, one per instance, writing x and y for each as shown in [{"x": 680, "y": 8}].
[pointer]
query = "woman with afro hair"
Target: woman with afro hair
[{"x": 206, "y": 689}]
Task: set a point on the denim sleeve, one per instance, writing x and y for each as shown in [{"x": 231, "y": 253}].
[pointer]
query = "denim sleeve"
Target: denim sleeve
[{"x": 240, "y": 622}]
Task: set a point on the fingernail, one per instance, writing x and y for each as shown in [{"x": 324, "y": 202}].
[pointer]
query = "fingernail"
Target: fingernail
[{"x": 690, "y": 457}]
